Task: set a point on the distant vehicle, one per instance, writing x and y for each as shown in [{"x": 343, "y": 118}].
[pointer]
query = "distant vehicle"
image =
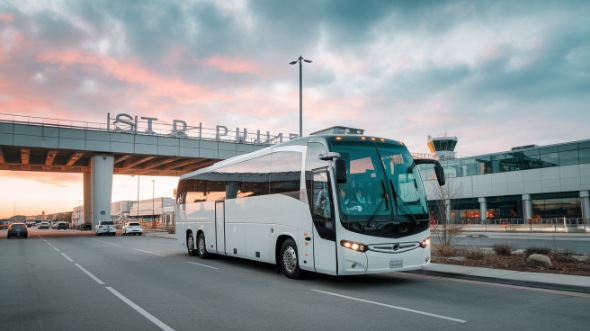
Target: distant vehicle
[
  {"x": 30, "y": 224},
  {"x": 106, "y": 227},
  {"x": 44, "y": 225},
  {"x": 85, "y": 226},
  {"x": 132, "y": 228},
  {"x": 62, "y": 225},
  {"x": 3, "y": 225},
  {"x": 17, "y": 229},
  {"x": 54, "y": 225}
]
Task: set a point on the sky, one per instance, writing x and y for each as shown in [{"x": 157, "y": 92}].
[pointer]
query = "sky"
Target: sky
[{"x": 495, "y": 74}]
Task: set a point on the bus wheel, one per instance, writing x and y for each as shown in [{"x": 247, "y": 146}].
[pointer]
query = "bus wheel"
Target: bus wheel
[
  {"x": 202, "y": 246},
  {"x": 289, "y": 261},
  {"x": 190, "y": 245}
]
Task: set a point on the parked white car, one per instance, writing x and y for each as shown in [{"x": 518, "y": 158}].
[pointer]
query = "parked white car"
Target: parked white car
[
  {"x": 131, "y": 228},
  {"x": 105, "y": 227}
]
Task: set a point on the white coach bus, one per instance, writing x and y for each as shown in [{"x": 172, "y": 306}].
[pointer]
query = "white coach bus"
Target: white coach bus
[{"x": 332, "y": 204}]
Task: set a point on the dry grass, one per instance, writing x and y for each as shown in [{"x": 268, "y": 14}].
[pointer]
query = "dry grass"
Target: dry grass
[{"x": 567, "y": 263}]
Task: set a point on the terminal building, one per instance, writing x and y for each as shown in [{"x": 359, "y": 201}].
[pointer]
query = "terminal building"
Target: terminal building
[{"x": 526, "y": 185}]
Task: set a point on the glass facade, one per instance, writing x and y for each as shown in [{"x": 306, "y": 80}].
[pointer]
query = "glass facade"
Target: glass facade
[
  {"x": 509, "y": 209},
  {"x": 518, "y": 159}
]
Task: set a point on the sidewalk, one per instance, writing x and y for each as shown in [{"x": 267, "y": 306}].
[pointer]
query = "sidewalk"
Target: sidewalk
[
  {"x": 529, "y": 279},
  {"x": 159, "y": 234}
]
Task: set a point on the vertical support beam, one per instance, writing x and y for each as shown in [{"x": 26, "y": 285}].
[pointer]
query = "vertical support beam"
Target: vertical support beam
[
  {"x": 483, "y": 209},
  {"x": 87, "y": 198},
  {"x": 527, "y": 207},
  {"x": 102, "y": 185},
  {"x": 585, "y": 195}
]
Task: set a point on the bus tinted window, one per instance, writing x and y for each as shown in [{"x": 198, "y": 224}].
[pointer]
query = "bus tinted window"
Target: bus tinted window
[{"x": 285, "y": 173}]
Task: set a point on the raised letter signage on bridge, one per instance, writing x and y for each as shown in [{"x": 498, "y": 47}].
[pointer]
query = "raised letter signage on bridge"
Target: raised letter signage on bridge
[{"x": 148, "y": 125}]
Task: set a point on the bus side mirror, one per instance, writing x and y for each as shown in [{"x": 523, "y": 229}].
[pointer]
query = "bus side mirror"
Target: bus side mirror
[
  {"x": 440, "y": 174},
  {"x": 340, "y": 170},
  {"x": 438, "y": 169}
]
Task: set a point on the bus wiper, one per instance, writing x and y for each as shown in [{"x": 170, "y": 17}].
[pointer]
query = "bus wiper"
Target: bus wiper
[
  {"x": 394, "y": 195},
  {"x": 403, "y": 204},
  {"x": 370, "y": 221},
  {"x": 384, "y": 197}
]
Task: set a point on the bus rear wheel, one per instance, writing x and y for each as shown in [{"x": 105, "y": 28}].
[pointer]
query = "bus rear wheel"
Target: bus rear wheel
[
  {"x": 190, "y": 245},
  {"x": 202, "y": 247},
  {"x": 289, "y": 260}
]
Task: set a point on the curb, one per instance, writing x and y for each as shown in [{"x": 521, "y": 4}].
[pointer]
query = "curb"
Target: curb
[{"x": 514, "y": 282}]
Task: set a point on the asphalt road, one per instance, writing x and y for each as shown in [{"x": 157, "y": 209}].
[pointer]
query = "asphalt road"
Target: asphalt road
[{"x": 143, "y": 283}]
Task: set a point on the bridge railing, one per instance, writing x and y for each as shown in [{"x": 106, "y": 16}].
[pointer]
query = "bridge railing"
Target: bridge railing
[{"x": 219, "y": 133}]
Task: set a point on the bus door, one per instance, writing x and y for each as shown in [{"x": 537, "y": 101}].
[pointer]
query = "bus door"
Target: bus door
[
  {"x": 220, "y": 226},
  {"x": 324, "y": 224}
]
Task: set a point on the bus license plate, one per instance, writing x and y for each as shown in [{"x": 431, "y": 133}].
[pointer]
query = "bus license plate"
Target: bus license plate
[{"x": 395, "y": 264}]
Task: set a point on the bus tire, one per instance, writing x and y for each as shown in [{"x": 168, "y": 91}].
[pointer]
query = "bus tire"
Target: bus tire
[
  {"x": 190, "y": 245},
  {"x": 202, "y": 246},
  {"x": 289, "y": 260}
]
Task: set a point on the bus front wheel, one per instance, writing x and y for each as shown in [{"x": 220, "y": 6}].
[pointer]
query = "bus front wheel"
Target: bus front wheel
[
  {"x": 202, "y": 247},
  {"x": 289, "y": 260},
  {"x": 190, "y": 245}
]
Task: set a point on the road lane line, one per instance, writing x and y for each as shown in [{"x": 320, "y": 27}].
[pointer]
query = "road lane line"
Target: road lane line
[
  {"x": 89, "y": 274},
  {"x": 203, "y": 265},
  {"x": 141, "y": 250},
  {"x": 67, "y": 257},
  {"x": 106, "y": 242},
  {"x": 392, "y": 307},
  {"x": 55, "y": 248},
  {"x": 140, "y": 310}
]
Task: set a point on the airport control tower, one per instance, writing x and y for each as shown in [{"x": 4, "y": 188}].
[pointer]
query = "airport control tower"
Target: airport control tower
[{"x": 443, "y": 147}]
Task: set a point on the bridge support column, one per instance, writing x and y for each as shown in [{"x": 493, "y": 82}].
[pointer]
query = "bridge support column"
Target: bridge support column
[
  {"x": 87, "y": 198},
  {"x": 102, "y": 185}
]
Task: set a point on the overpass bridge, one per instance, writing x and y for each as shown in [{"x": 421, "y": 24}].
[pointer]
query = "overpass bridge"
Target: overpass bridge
[{"x": 99, "y": 150}]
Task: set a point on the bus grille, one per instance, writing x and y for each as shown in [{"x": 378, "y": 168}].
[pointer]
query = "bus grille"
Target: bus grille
[{"x": 394, "y": 248}]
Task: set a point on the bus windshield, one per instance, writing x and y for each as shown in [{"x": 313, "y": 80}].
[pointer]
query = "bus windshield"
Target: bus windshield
[{"x": 383, "y": 195}]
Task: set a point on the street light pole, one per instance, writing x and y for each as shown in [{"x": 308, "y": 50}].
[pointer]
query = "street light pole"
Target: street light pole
[
  {"x": 153, "y": 203},
  {"x": 300, "y": 59}
]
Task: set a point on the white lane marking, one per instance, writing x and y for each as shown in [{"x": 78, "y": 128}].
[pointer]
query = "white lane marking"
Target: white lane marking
[
  {"x": 392, "y": 307},
  {"x": 137, "y": 249},
  {"x": 203, "y": 265},
  {"x": 89, "y": 274},
  {"x": 55, "y": 248},
  {"x": 106, "y": 242},
  {"x": 67, "y": 257},
  {"x": 140, "y": 310}
]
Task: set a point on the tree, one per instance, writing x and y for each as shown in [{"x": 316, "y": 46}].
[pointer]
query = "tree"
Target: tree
[{"x": 442, "y": 200}]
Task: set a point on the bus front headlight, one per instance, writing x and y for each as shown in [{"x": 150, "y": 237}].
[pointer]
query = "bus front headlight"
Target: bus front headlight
[
  {"x": 354, "y": 246},
  {"x": 424, "y": 243}
]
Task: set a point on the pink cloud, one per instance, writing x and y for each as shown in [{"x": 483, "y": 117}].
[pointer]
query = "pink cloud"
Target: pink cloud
[
  {"x": 152, "y": 84},
  {"x": 231, "y": 65},
  {"x": 6, "y": 17}
]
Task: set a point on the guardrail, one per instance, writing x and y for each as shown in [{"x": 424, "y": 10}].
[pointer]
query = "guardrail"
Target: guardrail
[
  {"x": 220, "y": 133},
  {"x": 559, "y": 224}
]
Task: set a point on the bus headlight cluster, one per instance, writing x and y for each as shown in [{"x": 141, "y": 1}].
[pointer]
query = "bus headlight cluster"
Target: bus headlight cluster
[
  {"x": 424, "y": 243},
  {"x": 354, "y": 246}
]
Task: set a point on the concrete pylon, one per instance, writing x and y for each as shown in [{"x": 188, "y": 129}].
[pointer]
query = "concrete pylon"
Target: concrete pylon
[{"x": 102, "y": 186}]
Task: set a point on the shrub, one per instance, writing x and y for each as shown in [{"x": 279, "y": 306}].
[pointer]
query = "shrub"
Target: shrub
[
  {"x": 502, "y": 249},
  {"x": 537, "y": 250},
  {"x": 565, "y": 256},
  {"x": 474, "y": 254},
  {"x": 446, "y": 250}
]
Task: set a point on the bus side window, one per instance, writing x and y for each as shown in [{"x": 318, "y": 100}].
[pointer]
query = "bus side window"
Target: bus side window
[{"x": 323, "y": 217}]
